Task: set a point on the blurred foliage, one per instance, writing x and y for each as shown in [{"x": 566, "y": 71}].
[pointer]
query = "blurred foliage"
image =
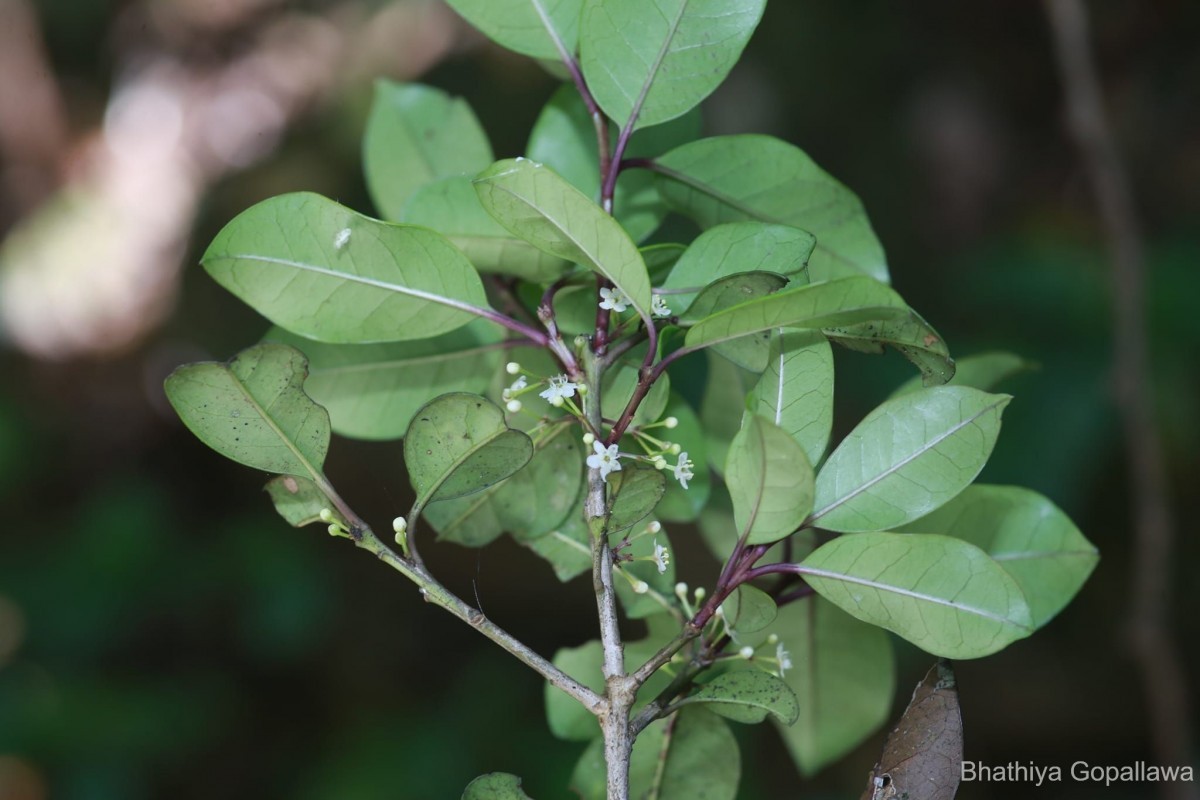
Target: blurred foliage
[{"x": 162, "y": 634}]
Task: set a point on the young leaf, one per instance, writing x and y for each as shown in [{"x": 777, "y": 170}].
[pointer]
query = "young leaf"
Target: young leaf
[
  {"x": 539, "y": 28},
  {"x": 906, "y": 458},
  {"x": 416, "y": 135},
  {"x": 680, "y": 504},
  {"x": 648, "y": 61},
  {"x": 690, "y": 755},
  {"x": 796, "y": 389},
  {"x": 737, "y": 247},
  {"x": 327, "y": 273},
  {"x": 819, "y": 305},
  {"x": 748, "y": 696},
  {"x": 300, "y": 501},
  {"x": 984, "y": 371},
  {"x": 564, "y": 139},
  {"x": 843, "y": 674},
  {"x": 751, "y": 177},
  {"x": 253, "y": 410},
  {"x": 944, "y": 595},
  {"x": 638, "y": 490},
  {"x": 770, "y": 481},
  {"x": 749, "y": 609},
  {"x": 451, "y": 207},
  {"x": 729, "y": 291},
  {"x": 923, "y": 754},
  {"x": 1027, "y": 535},
  {"x": 459, "y": 444},
  {"x": 495, "y": 786},
  {"x": 531, "y": 503},
  {"x": 372, "y": 391},
  {"x": 543, "y": 209},
  {"x": 912, "y": 336}
]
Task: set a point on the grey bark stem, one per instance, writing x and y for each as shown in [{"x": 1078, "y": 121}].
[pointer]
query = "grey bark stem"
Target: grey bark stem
[
  {"x": 621, "y": 688},
  {"x": 1149, "y": 628}
]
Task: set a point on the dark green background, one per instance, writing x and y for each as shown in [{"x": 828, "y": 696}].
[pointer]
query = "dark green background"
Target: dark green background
[{"x": 177, "y": 640}]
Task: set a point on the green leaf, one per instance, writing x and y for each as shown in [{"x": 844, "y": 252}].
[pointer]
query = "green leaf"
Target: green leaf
[
  {"x": 906, "y": 458},
  {"x": 495, "y": 786},
  {"x": 660, "y": 595},
  {"x": 539, "y": 28},
  {"x": 749, "y": 609},
  {"x": 531, "y": 503},
  {"x": 372, "y": 391},
  {"x": 327, "y": 273},
  {"x": 722, "y": 407},
  {"x": 648, "y": 61},
  {"x": 459, "y": 444},
  {"x": 911, "y": 336},
  {"x": 619, "y": 383},
  {"x": 451, "y": 207},
  {"x": 661, "y": 259},
  {"x": 796, "y": 389},
  {"x": 564, "y": 139},
  {"x": 944, "y": 595},
  {"x": 770, "y": 481},
  {"x": 637, "y": 490},
  {"x": 253, "y": 410},
  {"x": 843, "y": 674},
  {"x": 1027, "y": 535},
  {"x": 752, "y": 177},
  {"x": 729, "y": 291},
  {"x": 737, "y": 247},
  {"x": 818, "y": 305},
  {"x": 537, "y": 205},
  {"x": 691, "y": 755},
  {"x": 679, "y": 504},
  {"x": 747, "y": 695},
  {"x": 416, "y": 135},
  {"x": 300, "y": 501},
  {"x": 984, "y": 371},
  {"x": 568, "y": 548}
]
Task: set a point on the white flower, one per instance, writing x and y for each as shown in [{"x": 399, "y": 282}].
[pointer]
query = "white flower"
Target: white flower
[
  {"x": 613, "y": 300},
  {"x": 560, "y": 389},
  {"x": 517, "y": 385},
  {"x": 604, "y": 459},
  {"x": 784, "y": 658},
  {"x": 683, "y": 469},
  {"x": 662, "y": 557},
  {"x": 659, "y": 307}
]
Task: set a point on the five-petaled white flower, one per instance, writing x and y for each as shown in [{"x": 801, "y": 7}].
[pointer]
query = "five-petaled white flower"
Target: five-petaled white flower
[
  {"x": 613, "y": 300},
  {"x": 683, "y": 469},
  {"x": 604, "y": 459},
  {"x": 784, "y": 658},
  {"x": 659, "y": 307},
  {"x": 517, "y": 385},
  {"x": 662, "y": 557},
  {"x": 560, "y": 389}
]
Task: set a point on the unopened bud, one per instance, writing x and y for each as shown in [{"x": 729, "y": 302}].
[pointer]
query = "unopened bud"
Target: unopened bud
[
  {"x": 589, "y": 438},
  {"x": 676, "y": 449},
  {"x": 700, "y": 593},
  {"x": 513, "y": 406},
  {"x": 654, "y": 527},
  {"x": 773, "y": 639},
  {"x": 746, "y": 652},
  {"x": 399, "y": 524},
  {"x": 671, "y": 422},
  {"x": 512, "y": 368},
  {"x": 641, "y": 587},
  {"x": 326, "y": 515}
]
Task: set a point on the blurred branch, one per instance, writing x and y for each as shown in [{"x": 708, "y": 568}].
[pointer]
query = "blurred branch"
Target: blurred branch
[{"x": 1154, "y": 528}]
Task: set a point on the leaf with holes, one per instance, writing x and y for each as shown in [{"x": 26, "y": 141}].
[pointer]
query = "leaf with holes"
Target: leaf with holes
[
  {"x": 322, "y": 271},
  {"x": 648, "y": 61},
  {"x": 770, "y": 481},
  {"x": 906, "y": 458},
  {"x": 253, "y": 410},
  {"x": 752, "y": 177},
  {"x": 417, "y": 135},
  {"x": 459, "y": 444},
  {"x": 944, "y": 595}
]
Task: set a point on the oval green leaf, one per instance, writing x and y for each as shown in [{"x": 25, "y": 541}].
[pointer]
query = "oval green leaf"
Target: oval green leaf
[
  {"x": 637, "y": 490},
  {"x": 796, "y": 389},
  {"x": 536, "y": 204},
  {"x": 539, "y": 28},
  {"x": 495, "y": 786},
  {"x": 300, "y": 501},
  {"x": 459, "y": 444},
  {"x": 770, "y": 481},
  {"x": 944, "y": 595},
  {"x": 747, "y": 695},
  {"x": 416, "y": 135},
  {"x": 906, "y": 458},
  {"x": 749, "y": 609},
  {"x": 648, "y": 61},
  {"x": 253, "y": 410},
  {"x": 1027, "y": 535},
  {"x": 327, "y": 273},
  {"x": 752, "y": 177},
  {"x": 372, "y": 391},
  {"x": 729, "y": 291}
]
